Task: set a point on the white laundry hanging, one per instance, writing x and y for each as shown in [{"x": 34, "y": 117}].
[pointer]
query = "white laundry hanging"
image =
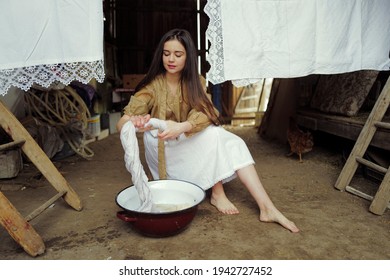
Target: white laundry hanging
[
  {"x": 254, "y": 39},
  {"x": 45, "y": 41}
]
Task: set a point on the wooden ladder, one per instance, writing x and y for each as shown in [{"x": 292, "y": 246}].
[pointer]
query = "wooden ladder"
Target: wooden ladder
[
  {"x": 17, "y": 225},
  {"x": 374, "y": 121}
]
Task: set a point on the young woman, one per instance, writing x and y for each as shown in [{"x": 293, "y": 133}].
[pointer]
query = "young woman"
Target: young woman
[{"x": 193, "y": 146}]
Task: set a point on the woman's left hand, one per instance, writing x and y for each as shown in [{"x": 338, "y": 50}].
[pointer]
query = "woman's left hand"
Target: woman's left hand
[{"x": 174, "y": 129}]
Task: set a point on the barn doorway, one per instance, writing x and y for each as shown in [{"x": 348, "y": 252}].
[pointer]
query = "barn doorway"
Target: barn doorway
[{"x": 252, "y": 102}]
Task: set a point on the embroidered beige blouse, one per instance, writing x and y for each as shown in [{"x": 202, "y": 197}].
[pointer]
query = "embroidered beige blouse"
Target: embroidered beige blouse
[{"x": 156, "y": 100}]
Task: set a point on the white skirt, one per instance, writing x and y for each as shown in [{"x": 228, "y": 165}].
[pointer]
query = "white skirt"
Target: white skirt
[{"x": 204, "y": 159}]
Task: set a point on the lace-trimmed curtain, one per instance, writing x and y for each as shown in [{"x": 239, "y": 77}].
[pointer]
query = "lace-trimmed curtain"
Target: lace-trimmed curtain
[
  {"x": 254, "y": 39},
  {"x": 45, "y": 41}
]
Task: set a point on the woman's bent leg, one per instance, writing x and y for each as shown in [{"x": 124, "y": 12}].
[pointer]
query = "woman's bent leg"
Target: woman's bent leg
[{"x": 268, "y": 211}]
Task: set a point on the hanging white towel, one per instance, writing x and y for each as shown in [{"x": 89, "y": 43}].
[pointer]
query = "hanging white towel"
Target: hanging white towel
[
  {"x": 46, "y": 41},
  {"x": 254, "y": 39}
]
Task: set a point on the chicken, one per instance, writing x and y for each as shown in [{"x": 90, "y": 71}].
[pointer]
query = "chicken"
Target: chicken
[{"x": 300, "y": 142}]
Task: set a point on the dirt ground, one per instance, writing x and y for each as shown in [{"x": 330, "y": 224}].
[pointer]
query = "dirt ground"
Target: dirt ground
[{"x": 334, "y": 225}]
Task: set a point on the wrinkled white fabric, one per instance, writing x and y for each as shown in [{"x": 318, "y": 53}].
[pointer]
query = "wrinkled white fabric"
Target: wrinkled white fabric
[
  {"x": 204, "y": 159},
  {"x": 134, "y": 166},
  {"x": 157, "y": 125},
  {"x": 133, "y": 162},
  {"x": 254, "y": 39}
]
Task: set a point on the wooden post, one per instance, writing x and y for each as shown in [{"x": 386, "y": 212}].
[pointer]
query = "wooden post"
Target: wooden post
[{"x": 19, "y": 229}]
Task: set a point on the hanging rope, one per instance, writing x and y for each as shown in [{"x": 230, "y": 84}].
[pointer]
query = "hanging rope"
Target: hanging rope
[{"x": 65, "y": 110}]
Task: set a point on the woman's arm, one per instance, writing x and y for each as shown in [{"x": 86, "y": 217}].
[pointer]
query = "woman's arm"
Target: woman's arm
[
  {"x": 137, "y": 110},
  {"x": 174, "y": 129},
  {"x": 125, "y": 118}
]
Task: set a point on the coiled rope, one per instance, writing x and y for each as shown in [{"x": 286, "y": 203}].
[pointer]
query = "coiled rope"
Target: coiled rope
[{"x": 65, "y": 110}]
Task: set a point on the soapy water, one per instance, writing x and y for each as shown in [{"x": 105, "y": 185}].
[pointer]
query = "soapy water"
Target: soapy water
[{"x": 162, "y": 207}]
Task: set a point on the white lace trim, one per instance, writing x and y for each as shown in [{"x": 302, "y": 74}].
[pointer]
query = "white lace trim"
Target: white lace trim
[
  {"x": 216, "y": 74},
  {"x": 245, "y": 82},
  {"x": 45, "y": 75},
  {"x": 215, "y": 57}
]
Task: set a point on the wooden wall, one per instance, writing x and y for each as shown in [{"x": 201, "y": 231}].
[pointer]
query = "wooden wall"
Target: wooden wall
[{"x": 133, "y": 29}]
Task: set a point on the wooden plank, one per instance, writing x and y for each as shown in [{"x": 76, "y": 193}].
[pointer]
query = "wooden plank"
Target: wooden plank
[
  {"x": 382, "y": 125},
  {"x": 359, "y": 193},
  {"x": 348, "y": 128},
  {"x": 37, "y": 156},
  {"x": 372, "y": 165},
  {"x": 362, "y": 194},
  {"x": 11, "y": 145},
  {"x": 44, "y": 206},
  {"x": 19, "y": 229}
]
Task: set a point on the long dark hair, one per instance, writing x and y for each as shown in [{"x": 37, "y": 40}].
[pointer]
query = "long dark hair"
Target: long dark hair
[{"x": 196, "y": 94}]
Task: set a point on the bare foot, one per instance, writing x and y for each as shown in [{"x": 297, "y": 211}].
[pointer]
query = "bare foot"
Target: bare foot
[
  {"x": 220, "y": 201},
  {"x": 274, "y": 216},
  {"x": 223, "y": 204}
]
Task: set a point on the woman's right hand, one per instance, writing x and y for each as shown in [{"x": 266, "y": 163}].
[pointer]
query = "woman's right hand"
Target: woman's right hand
[{"x": 138, "y": 122}]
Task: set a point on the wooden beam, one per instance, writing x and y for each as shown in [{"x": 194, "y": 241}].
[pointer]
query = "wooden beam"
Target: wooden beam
[
  {"x": 19, "y": 229},
  {"x": 382, "y": 196},
  {"x": 345, "y": 127}
]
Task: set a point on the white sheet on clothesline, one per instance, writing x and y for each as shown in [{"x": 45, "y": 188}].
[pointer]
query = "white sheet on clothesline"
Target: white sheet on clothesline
[
  {"x": 46, "y": 32},
  {"x": 46, "y": 41},
  {"x": 253, "y": 39}
]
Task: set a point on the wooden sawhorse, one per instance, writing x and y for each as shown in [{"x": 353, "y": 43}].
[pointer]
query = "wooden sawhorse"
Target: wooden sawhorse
[{"x": 16, "y": 225}]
